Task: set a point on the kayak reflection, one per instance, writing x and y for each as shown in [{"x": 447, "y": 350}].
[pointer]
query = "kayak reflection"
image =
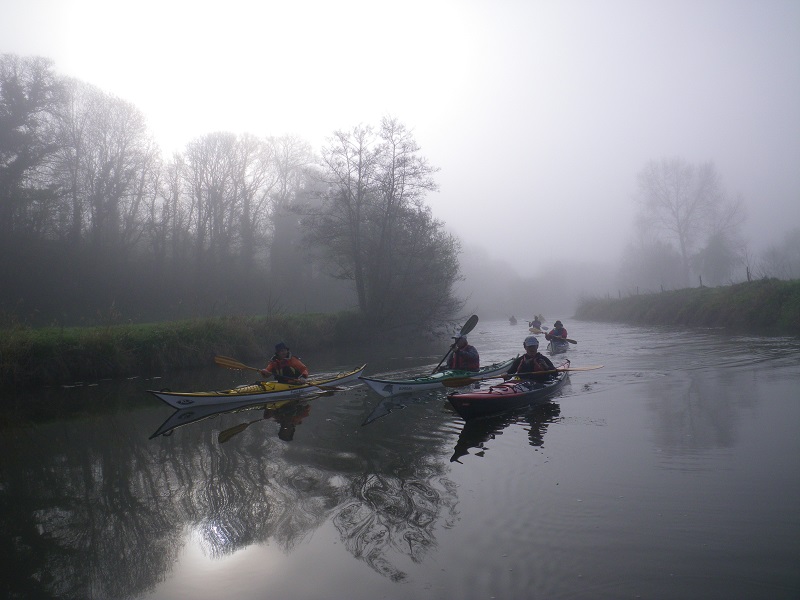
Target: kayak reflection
[
  {"x": 478, "y": 432},
  {"x": 287, "y": 413},
  {"x": 386, "y": 406}
]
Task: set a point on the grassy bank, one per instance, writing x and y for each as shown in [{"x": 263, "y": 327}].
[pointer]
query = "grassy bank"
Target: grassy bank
[
  {"x": 768, "y": 306},
  {"x": 51, "y": 356}
]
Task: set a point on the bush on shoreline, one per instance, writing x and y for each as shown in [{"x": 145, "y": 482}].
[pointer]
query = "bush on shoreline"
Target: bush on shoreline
[
  {"x": 53, "y": 355},
  {"x": 767, "y": 306}
]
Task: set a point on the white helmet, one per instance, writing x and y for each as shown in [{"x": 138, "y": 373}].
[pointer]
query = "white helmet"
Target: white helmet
[{"x": 531, "y": 341}]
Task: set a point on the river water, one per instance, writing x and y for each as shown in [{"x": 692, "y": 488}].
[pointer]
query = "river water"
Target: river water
[{"x": 671, "y": 472}]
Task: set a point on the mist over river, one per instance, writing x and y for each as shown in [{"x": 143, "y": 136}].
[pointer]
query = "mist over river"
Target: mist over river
[{"x": 671, "y": 472}]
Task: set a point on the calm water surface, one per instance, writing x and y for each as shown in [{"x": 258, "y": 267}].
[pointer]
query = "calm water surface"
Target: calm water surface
[{"x": 672, "y": 472}]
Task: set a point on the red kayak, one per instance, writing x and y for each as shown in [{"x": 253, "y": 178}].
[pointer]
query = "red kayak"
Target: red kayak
[{"x": 506, "y": 396}]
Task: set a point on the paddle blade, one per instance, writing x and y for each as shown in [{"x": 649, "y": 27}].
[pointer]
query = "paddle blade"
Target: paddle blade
[
  {"x": 469, "y": 325},
  {"x": 224, "y": 436},
  {"x": 231, "y": 363}
]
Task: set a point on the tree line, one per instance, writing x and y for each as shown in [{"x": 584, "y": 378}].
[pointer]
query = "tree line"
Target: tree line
[{"x": 97, "y": 225}]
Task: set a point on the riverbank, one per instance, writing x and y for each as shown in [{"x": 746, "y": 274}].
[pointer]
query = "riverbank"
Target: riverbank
[
  {"x": 31, "y": 357},
  {"x": 768, "y": 306}
]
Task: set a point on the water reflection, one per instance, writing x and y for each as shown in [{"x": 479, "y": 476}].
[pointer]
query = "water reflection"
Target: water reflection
[
  {"x": 114, "y": 506},
  {"x": 383, "y": 408},
  {"x": 476, "y": 433},
  {"x": 93, "y": 508},
  {"x": 697, "y": 410},
  {"x": 287, "y": 413},
  {"x": 390, "y": 515}
]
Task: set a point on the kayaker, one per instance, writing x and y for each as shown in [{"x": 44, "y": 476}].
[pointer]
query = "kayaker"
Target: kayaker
[
  {"x": 536, "y": 323},
  {"x": 285, "y": 367},
  {"x": 527, "y": 365},
  {"x": 464, "y": 357},
  {"x": 558, "y": 331}
]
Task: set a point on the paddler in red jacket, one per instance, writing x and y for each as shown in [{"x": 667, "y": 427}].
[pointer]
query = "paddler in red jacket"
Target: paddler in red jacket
[
  {"x": 285, "y": 367},
  {"x": 558, "y": 331}
]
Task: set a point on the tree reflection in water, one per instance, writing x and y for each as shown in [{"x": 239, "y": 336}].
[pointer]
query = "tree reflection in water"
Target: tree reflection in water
[
  {"x": 112, "y": 508},
  {"x": 389, "y": 515}
]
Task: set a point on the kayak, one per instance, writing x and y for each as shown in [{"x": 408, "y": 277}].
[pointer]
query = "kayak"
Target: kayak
[
  {"x": 535, "y": 330},
  {"x": 506, "y": 396},
  {"x": 557, "y": 346},
  {"x": 262, "y": 391},
  {"x": 447, "y": 378}
]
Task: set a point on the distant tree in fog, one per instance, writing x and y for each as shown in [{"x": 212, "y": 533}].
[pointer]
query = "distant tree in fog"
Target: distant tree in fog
[
  {"x": 226, "y": 181},
  {"x": 292, "y": 161},
  {"x": 377, "y": 231},
  {"x": 717, "y": 260},
  {"x": 684, "y": 205},
  {"x": 649, "y": 265},
  {"x": 117, "y": 163},
  {"x": 781, "y": 260}
]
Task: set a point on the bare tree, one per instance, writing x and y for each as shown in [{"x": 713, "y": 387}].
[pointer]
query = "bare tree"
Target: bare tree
[
  {"x": 292, "y": 160},
  {"x": 377, "y": 231},
  {"x": 31, "y": 98},
  {"x": 122, "y": 163},
  {"x": 685, "y": 205}
]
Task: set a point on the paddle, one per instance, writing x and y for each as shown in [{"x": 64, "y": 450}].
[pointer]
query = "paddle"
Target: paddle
[
  {"x": 227, "y": 434},
  {"x": 468, "y": 326},
  {"x": 232, "y": 363},
  {"x": 463, "y": 381},
  {"x": 555, "y": 337}
]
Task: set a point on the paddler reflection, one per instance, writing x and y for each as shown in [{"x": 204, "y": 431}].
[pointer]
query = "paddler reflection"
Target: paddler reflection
[{"x": 288, "y": 417}]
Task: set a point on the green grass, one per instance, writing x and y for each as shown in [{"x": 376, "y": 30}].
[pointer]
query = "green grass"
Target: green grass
[
  {"x": 53, "y": 355},
  {"x": 768, "y": 306}
]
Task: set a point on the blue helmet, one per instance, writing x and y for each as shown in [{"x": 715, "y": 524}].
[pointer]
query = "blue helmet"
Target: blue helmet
[{"x": 531, "y": 341}]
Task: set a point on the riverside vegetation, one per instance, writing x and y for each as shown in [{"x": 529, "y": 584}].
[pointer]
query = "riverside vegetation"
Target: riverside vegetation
[
  {"x": 766, "y": 306},
  {"x": 59, "y": 355}
]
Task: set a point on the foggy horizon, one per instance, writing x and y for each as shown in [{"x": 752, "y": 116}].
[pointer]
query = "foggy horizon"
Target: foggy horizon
[{"x": 538, "y": 116}]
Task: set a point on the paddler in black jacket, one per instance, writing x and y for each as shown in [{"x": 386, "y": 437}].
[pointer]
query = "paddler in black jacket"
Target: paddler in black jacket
[
  {"x": 465, "y": 357},
  {"x": 527, "y": 365}
]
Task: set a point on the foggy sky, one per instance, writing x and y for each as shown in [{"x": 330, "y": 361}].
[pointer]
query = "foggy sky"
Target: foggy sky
[{"x": 539, "y": 114}]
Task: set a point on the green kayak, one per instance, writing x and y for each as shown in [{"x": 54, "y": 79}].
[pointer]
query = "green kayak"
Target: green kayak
[{"x": 448, "y": 378}]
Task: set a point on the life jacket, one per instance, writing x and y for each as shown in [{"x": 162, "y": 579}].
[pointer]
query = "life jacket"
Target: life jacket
[
  {"x": 532, "y": 364},
  {"x": 464, "y": 359},
  {"x": 285, "y": 368}
]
